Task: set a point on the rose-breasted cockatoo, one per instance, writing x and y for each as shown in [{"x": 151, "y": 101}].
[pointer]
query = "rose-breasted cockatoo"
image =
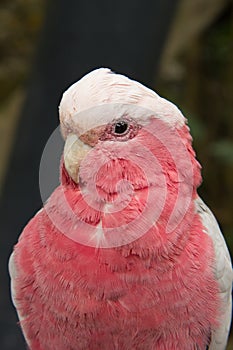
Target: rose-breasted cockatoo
[{"x": 124, "y": 254}]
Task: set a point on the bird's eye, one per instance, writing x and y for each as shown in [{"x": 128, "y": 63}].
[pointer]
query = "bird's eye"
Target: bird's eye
[{"x": 120, "y": 127}]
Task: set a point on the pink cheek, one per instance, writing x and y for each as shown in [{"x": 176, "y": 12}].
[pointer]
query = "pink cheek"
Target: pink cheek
[{"x": 110, "y": 174}]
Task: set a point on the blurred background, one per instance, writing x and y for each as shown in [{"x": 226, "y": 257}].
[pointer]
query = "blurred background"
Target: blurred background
[{"x": 181, "y": 48}]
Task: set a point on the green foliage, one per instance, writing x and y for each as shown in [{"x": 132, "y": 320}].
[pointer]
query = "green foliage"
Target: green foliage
[
  {"x": 20, "y": 21},
  {"x": 223, "y": 151}
]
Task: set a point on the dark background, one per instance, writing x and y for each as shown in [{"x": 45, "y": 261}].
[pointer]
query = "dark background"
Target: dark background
[{"x": 183, "y": 50}]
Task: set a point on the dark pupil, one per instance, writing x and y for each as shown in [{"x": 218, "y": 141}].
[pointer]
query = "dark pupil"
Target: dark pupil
[{"x": 120, "y": 127}]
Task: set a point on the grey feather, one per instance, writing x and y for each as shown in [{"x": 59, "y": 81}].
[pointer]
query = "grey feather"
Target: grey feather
[{"x": 223, "y": 273}]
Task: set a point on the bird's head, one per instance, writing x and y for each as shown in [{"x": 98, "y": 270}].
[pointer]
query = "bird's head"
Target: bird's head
[{"x": 129, "y": 153}]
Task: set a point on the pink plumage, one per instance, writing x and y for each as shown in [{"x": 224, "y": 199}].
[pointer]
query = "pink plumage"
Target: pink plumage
[{"x": 124, "y": 255}]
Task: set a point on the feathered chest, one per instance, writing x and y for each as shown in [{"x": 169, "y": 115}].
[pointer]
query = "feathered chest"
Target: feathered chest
[{"x": 148, "y": 292}]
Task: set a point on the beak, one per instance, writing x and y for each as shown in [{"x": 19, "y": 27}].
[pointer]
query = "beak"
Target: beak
[{"x": 74, "y": 152}]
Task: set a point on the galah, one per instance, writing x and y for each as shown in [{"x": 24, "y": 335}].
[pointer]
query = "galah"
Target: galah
[{"x": 124, "y": 254}]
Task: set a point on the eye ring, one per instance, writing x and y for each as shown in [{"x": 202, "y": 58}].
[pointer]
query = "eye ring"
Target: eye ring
[{"x": 120, "y": 127}]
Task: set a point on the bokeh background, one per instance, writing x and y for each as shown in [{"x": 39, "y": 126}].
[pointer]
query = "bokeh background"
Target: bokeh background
[{"x": 181, "y": 48}]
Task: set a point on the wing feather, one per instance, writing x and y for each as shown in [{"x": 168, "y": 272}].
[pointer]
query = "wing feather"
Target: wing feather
[
  {"x": 223, "y": 273},
  {"x": 13, "y": 276}
]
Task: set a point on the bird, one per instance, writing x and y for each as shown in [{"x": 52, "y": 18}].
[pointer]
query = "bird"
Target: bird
[{"x": 124, "y": 254}]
